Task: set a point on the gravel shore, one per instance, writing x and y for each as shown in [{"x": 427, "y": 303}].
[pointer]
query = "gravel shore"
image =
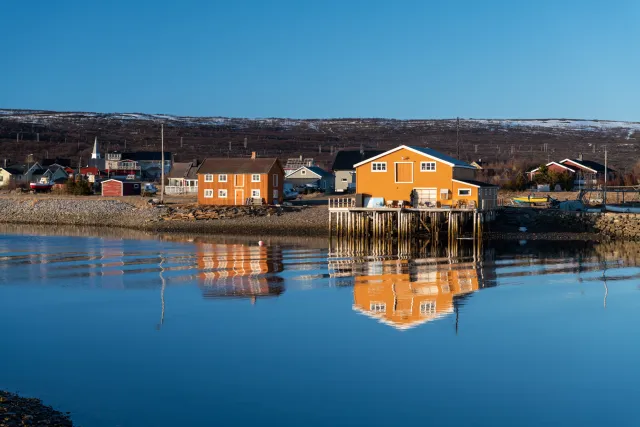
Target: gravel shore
[
  {"x": 21, "y": 411},
  {"x": 310, "y": 221}
]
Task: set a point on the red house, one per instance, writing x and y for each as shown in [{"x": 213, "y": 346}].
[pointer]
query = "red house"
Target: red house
[
  {"x": 553, "y": 166},
  {"x": 116, "y": 188}
]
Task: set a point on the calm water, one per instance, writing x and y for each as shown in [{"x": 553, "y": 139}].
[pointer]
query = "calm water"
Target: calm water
[{"x": 154, "y": 332}]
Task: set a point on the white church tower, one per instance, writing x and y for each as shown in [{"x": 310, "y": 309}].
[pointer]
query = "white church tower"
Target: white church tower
[{"x": 95, "y": 154}]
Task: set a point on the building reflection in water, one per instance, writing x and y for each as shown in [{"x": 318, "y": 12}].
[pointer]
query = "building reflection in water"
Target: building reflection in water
[{"x": 240, "y": 271}]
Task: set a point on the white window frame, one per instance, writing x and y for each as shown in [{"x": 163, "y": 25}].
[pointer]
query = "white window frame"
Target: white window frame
[
  {"x": 377, "y": 307},
  {"x": 275, "y": 179},
  {"x": 424, "y": 166},
  {"x": 222, "y": 177},
  {"x": 222, "y": 193},
  {"x": 208, "y": 193},
  {"x": 465, "y": 189},
  {"x": 382, "y": 165},
  {"x": 255, "y": 193},
  {"x": 253, "y": 177},
  {"x": 428, "y": 308},
  {"x": 208, "y": 177},
  {"x": 395, "y": 173}
]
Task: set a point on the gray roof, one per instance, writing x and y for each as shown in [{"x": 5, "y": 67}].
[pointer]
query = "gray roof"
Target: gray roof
[
  {"x": 183, "y": 170},
  {"x": 237, "y": 165},
  {"x": 438, "y": 155},
  {"x": 319, "y": 171}
]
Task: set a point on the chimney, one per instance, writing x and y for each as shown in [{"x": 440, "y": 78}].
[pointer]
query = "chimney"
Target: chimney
[
  {"x": 195, "y": 163},
  {"x": 253, "y": 155}
]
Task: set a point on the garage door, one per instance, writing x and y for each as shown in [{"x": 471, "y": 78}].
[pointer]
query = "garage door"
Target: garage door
[{"x": 426, "y": 196}]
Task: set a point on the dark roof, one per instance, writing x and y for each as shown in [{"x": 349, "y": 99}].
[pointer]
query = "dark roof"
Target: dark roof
[
  {"x": 475, "y": 183},
  {"x": 236, "y": 165},
  {"x": 319, "y": 171},
  {"x": 438, "y": 155},
  {"x": 345, "y": 159},
  {"x": 598, "y": 167},
  {"x": 146, "y": 155},
  {"x": 15, "y": 169},
  {"x": 62, "y": 162},
  {"x": 183, "y": 170}
]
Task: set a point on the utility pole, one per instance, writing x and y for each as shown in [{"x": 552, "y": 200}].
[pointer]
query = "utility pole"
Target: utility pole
[
  {"x": 458, "y": 137},
  {"x": 606, "y": 172},
  {"x": 181, "y": 142},
  {"x": 162, "y": 165}
]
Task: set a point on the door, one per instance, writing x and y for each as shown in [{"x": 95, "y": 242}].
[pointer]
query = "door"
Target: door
[
  {"x": 404, "y": 173},
  {"x": 239, "y": 197},
  {"x": 239, "y": 180},
  {"x": 425, "y": 197}
]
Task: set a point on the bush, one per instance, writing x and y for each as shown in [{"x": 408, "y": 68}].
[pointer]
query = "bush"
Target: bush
[{"x": 78, "y": 188}]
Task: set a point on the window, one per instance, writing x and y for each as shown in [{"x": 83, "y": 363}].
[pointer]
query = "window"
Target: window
[
  {"x": 208, "y": 178},
  {"x": 255, "y": 177},
  {"x": 255, "y": 194},
  {"x": 222, "y": 194},
  {"x": 444, "y": 194},
  {"x": 344, "y": 179},
  {"x": 275, "y": 180},
  {"x": 428, "y": 308},
  {"x": 208, "y": 193},
  {"x": 464, "y": 192},
  {"x": 222, "y": 178},
  {"x": 379, "y": 167},
  {"x": 136, "y": 185},
  {"x": 378, "y": 307},
  {"x": 275, "y": 195},
  {"x": 427, "y": 166},
  {"x": 303, "y": 172},
  {"x": 1, "y": 178}
]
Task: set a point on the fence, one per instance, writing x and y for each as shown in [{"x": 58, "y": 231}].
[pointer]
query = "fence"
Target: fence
[{"x": 179, "y": 189}]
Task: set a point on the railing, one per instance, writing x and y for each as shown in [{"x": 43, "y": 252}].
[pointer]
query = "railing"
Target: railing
[
  {"x": 179, "y": 189},
  {"x": 342, "y": 202}
]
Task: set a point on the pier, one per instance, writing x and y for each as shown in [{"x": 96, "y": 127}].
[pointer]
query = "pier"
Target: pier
[{"x": 358, "y": 227}]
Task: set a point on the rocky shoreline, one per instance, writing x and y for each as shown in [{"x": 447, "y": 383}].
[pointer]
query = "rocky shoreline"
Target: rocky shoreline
[
  {"x": 310, "y": 221},
  {"x": 23, "y": 411}
]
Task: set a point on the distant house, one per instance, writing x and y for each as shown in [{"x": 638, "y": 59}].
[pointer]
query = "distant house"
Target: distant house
[
  {"x": 423, "y": 177},
  {"x": 477, "y": 164},
  {"x": 296, "y": 162},
  {"x": 238, "y": 181},
  {"x": 313, "y": 175},
  {"x": 345, "y": 173},
  {"x": 56, "y": 174},
  {"x": 552, "y": 166},
  {"x": 45, "y": 163},
  {"x": 119, "y": 166},
  {"x": 12, "y": 175},
  {"x": 150, "y": 163},
  {"x": 91, "y": 173},
  {"x": 115, "y": 188},
  {"x": 588, "y": 172},
  {"x": 183, "y": 178}
]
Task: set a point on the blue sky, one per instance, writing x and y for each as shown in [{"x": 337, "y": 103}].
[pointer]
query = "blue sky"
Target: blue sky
[{"x": 296, "y": 58}]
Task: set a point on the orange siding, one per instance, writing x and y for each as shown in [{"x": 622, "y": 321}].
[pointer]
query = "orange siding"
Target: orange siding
[
  {"x": 239, "y": 188},
  {"x": 383, "y": 184}
]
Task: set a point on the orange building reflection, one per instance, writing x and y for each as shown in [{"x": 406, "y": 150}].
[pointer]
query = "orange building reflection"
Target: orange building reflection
[
  {"x": 241, "y": 271},
  {"x": 404, "y": 294}
]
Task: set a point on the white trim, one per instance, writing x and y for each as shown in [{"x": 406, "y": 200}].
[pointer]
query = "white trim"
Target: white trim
[
  {"x": 222, "y": 193},
  {"x": 306, "y": 169},
  {"x": 415, "y": 151},
  {"x": 207, "y": 176},
  {"x": 220, "y": 175},
  {"x": 253, "y": 175},
  {"x": 379, "y": 163},
  {"x": 553, "y": 163},
  {"x": 473, "y": 185},
  {"x": 435, "y": 166},
  {"x": 580, "y": 164},
  {"x": 208, "y": 193},
  {"x": 465, "y": 189}
]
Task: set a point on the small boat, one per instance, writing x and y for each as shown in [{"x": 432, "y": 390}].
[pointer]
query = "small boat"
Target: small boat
[
  {"x": 532, "y": 200},
  {"x": 622, "y": 209},
  {"x": 43, "y": 185}
]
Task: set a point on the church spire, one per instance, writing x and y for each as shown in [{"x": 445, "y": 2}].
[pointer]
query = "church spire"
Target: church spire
[{"x": 95, "y": 154}]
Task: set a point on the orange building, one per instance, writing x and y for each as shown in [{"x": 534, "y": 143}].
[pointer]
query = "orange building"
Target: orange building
[
  {"x": 424, "y": 178},
  {"x": 239, "y": 270},
  {"x": 238, "y": 181},
  {"x": 402, "y": 298}
]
